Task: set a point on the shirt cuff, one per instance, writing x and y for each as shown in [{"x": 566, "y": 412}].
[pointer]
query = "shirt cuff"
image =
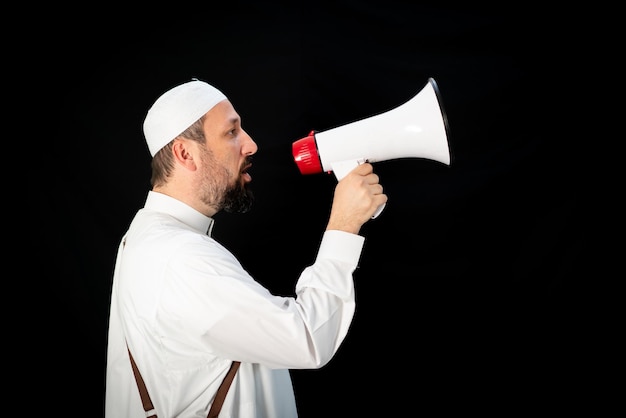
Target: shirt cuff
[{"x": 342, "y": 246}]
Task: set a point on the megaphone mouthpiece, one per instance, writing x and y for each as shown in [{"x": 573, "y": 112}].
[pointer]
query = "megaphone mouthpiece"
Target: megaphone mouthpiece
[{"x": 306, "y": 156}]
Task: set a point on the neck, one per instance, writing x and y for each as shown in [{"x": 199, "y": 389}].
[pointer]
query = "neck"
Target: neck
[{"x": 186, "y": 196}]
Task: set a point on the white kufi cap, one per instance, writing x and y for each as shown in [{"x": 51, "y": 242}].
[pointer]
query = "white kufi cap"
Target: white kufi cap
[{"x": 176, "y": 110}]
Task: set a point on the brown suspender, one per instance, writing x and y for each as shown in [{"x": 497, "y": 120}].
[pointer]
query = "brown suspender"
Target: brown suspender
[
  {"x": 222, "y": 390},
  {"x": 143, "y": 392},
  {"x": 216, "y": 406}
]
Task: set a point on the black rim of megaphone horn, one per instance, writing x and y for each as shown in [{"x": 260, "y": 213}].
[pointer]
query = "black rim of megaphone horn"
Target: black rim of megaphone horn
[{"x": 444, "y": 115}]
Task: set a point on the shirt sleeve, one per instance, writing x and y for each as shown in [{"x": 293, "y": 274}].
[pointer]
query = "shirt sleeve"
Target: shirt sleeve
[{"x": 212, "y": 306}]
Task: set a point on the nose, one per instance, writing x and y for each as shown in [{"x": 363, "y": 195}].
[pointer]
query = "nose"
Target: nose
[{"x": 249, "y": 146}]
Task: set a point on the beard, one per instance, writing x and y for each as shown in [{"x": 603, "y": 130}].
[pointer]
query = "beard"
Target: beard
[
  {"x": 238, "y": 198},
  {"x": 216, "y": 191}
]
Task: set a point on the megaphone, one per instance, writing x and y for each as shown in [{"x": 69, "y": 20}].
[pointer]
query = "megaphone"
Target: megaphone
[{"x": 416, "y": 129}]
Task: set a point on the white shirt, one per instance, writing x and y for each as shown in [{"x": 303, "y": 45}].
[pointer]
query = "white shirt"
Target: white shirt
[{"x": 186, "y": 308}]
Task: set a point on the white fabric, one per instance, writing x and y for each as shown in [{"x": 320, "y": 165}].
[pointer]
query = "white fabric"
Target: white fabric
[
  {"x": 176, "y": 110},
  {"x": 186, "y": 308}
]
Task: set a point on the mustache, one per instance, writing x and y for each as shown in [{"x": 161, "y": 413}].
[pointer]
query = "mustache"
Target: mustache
[{"x": 247, "y": 163}]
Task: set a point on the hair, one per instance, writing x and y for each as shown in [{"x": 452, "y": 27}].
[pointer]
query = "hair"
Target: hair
[{"x": 163, "y": 161}]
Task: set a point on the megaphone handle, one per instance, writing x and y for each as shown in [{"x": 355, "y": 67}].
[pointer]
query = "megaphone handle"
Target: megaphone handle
[
  {"x": 380, "y": 209},
  {"x": 341, "y": 168}
]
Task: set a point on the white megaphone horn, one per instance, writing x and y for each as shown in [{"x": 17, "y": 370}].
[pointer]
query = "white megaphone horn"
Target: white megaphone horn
[{"x": 415, "y": 129}]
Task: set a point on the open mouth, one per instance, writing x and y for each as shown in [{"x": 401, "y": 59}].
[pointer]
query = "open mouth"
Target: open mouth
[{"x": 244, "y": 173}]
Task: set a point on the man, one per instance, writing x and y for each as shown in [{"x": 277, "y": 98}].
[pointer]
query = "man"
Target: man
[{"x": 183, "y": 308}]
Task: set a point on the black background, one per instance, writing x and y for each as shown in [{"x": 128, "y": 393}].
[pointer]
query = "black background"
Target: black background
[{"x": 473, "y": 290}]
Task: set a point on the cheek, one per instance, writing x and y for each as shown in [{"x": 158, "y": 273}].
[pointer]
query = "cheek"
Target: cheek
[
  {"x": 230, "y": 166},
  {"x": 228, "y": 158}
]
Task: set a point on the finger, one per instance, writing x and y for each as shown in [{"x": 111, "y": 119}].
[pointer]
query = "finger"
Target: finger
[
  {"x": 376, "y": 189},
  {"x": 372, "y": 178},
  {"x": 364, "y": 169}
]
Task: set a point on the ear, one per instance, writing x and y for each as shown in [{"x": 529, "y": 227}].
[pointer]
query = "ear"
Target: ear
[{"x": 183, "y": 151}]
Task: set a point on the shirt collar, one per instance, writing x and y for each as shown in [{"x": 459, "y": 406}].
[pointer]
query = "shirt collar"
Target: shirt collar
[{"x": 163, "y": 203}]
